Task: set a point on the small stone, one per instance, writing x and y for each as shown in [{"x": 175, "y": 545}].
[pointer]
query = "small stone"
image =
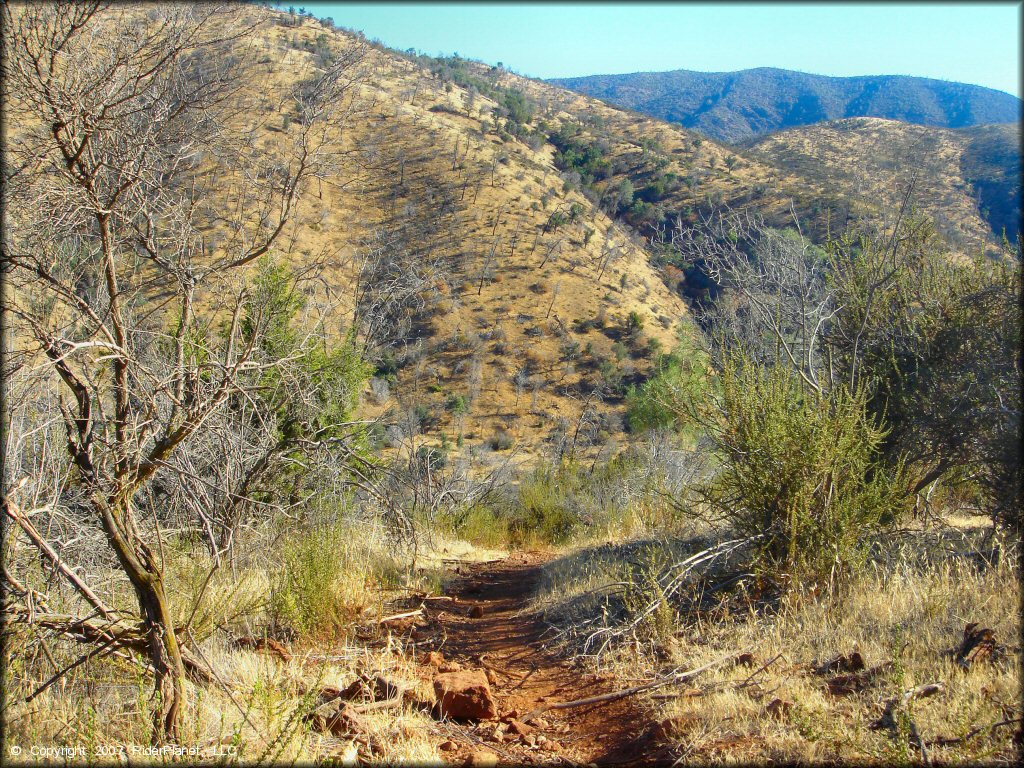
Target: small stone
[
  {"x": 530, "y": 740},
  {"x": 497, "y": 735},
  {"x": 448, "y": 746},
  {"x": 433, "y": 659},
  {"x": 517, "y": 728},
  {"x": 492, "y": 678},
  {"x": 541, "y": 723},
  {"x": 450, "y": 666},
  {"x": 512, "y": 714},
  {"x": 476, "y": 612}
]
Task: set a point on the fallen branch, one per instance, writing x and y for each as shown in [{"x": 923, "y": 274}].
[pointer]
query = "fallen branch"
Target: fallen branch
[
  {"x": 397, "y": 616},
  {"x": 615, "y": 696},
  {"x": 122, "y": 632},
  {"x": 888, "y": 718},
  {"x": 11, "y": 510},
  {"x": 945, "y": 742}
]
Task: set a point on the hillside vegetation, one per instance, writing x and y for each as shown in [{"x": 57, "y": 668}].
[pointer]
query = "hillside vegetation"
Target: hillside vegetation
[{"x": 733, "y": 106}]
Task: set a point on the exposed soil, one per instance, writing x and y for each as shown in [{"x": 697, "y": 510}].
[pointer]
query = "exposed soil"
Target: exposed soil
[{"x": 508, "y": 642}]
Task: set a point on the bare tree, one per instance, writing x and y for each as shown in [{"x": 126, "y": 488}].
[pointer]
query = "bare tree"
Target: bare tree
[
  {"x": 137, "y": 193},
  {"x": 776, "y": 303}
]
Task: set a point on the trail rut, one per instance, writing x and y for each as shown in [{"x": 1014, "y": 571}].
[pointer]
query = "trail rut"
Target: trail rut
[{"x": 507, "y": 640}]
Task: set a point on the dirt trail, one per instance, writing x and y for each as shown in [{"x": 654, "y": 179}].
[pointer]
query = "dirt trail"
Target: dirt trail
[{"x": 507, "y": 640}]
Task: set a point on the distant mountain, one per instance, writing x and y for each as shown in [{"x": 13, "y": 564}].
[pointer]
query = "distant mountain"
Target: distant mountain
[{"x": 732, "y": 106}]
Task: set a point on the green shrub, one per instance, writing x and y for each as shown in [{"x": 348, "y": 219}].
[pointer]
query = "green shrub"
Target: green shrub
[
  {"x": 321, "y": 587},
  {"x": 801, "y": 470},
  {"x": 657, "y": 403},
  {"x": 543, "y": 512},
  {"x": 481, "y": 525},
  {"x": 456, "y": 404}
]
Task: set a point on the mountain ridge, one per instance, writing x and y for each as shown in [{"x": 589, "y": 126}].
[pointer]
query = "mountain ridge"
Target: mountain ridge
[{"x": 734, "y": 106}]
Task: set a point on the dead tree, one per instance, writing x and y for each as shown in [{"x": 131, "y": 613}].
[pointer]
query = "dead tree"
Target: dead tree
[{"x": 136, "y": 194}]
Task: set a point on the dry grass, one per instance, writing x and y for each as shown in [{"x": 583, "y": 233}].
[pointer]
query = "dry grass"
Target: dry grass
[{"x": 908, "y": 610}]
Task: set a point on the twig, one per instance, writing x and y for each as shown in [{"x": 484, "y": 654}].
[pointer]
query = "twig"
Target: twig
[
  {"x": 920, "y": 743},
  {"x": 223, "y": 685},
  {"x": 888, "y": 718},
  {"x": 397, "y": 616},
  {"x": 746, "y": 682},
  {"x": 395, "y": 701},
  {"x": 945, "y": 742},
  {"x": 615, "y": 696}
]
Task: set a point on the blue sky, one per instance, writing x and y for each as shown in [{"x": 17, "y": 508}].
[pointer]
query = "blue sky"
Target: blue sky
[{"x": 969, "y": 42}]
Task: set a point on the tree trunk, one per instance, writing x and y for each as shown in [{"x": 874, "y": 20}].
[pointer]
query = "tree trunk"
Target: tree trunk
[
  {"x": 146, "y": 577},
  {"x": 165, "y": 656}
]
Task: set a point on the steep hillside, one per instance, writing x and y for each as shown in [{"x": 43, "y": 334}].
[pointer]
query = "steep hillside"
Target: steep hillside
[
  {"x": 731, "y": 106},
  {"x": 500, "y": 307},
  {"x": 828, "y": 174}
]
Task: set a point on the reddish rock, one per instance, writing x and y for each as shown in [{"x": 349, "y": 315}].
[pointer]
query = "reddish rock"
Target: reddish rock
[
  {"x": 433, "y": 659},
  {"x": 518, "y": 728},
  {"x": 464, "y": 695},
  {"x": 492, "y": 678},
  {"x": 371, "y": 688},
  {"x": 337, "y": 720},
  {"x": 450, "y": 666},
  {"x": 448, "y": 746}
]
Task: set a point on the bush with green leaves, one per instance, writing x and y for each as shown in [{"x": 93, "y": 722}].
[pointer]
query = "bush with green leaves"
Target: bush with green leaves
[
  {"x": 678, "y": 377},
  {"x": 321, "y": 587},
  {"x": 937, "y": 345},
  {"x": 801, "y": 470}
]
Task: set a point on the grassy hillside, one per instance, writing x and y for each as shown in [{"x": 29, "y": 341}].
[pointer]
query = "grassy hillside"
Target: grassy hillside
[
  {"x": 514, "y": 319},
  {"x": 869, "y": 162},
  {"x": 732, "y": 106}
]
